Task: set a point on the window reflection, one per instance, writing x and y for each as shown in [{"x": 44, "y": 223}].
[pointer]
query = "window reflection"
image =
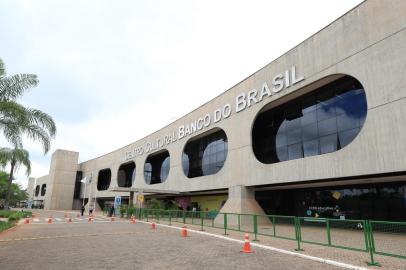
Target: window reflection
[
  {"x": 205, "y": 155},
  {"x": 383, "y": 201},
  {"x": 321, "y": 122},
  {"x": 156, "y": 168}
]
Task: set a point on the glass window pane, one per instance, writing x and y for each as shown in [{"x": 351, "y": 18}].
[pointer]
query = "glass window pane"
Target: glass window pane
[
  {"x": 281, "y": 139},
  {"x": 328, "y": 144},
  {"x": 295, "y": 151},
  {"x": 326, "y": 127},
  {"x": 310, "y": 132},
  {"x": 346, "y": 137},
  {"x": 294, "y": 136},
  {"x": 311, "y": 148},
  {"x": 309, "y": 118},
  {"x": 347, "y": 121},
  {"x": 282, "y": 153}
]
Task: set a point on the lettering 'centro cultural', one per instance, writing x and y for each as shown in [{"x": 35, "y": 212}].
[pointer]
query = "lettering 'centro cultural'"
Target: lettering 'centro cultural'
[{"x": 242, "y": 101}]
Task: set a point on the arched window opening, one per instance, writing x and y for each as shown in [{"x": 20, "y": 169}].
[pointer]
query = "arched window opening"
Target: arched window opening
[
  {"x": 126, "y": 174},
  {"x": 37, "y": 188},
  {"x": 104, "y": 179},
  {"x": 322, "y": 121},
  {"x": 43, "y": 189},
  {"x": 206, "y": 154},
  {"x": 156, "y": 167}
]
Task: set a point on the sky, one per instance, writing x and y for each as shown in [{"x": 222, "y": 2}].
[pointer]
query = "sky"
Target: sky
[{"x": 112, "y": 72}]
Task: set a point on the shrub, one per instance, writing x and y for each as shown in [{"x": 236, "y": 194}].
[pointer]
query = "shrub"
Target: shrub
[
  {"x": 123, "y": 209},
  {"x": 5, "y": 225},
  {"x": 155, "y": 204},
  {"x": 19, "y": 214},
  {"x": 13, "y": 217}
]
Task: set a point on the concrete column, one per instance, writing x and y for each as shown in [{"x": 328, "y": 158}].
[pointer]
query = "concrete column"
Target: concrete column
[{"x": 241, "y": 200}]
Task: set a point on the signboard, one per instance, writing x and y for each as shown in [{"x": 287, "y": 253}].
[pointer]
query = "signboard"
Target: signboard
[
  {"x": 117, "y": 201},
  {"x": 117, "y": 204},
  {"x": 141, "y": 198},
  {"x": 241, "y": 102}
]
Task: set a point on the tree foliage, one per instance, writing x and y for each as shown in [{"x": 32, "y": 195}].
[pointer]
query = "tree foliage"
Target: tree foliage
[
  {"x": 17, "y": 193},
  {"x": 17, "y": 121}
]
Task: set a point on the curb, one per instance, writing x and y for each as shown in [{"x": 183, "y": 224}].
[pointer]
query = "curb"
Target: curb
[
  {"x": 9, "y": 229},
  {"x": 283, "y": 251}
]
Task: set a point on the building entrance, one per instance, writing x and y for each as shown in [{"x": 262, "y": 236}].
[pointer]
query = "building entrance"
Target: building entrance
[{"x": 384, "y": 201}]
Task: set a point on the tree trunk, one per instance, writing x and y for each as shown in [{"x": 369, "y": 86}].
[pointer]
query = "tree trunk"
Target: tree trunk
[{"x": 10, "y": 181}]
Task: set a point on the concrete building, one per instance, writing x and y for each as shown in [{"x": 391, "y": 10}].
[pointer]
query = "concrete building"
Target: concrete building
[{"x": 319, "y": 131}]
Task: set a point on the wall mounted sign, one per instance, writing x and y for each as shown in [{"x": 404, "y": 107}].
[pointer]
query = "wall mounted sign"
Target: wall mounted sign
[{"x": 242, "y": 101}]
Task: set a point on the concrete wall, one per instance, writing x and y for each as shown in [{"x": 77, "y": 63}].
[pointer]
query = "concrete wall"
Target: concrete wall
[{"x": 62, "y": 176}]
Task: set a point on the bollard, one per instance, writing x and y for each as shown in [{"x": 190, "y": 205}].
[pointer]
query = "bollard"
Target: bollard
[
  {"x": 27, "y": 221},
  {"x": 153, "y": 226}
]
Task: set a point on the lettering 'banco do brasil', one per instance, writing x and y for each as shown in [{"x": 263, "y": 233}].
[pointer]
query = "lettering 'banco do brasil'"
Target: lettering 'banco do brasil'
[{"x": 242, "y": 101}]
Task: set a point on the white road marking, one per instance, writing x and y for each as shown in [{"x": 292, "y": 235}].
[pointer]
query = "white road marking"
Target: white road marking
[
  {"x": 313, "y": 258},
  {"x": 58, "y": 219}
]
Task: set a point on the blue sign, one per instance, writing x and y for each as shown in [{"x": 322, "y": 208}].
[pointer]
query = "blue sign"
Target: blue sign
[{"x": 117, "y": 201}]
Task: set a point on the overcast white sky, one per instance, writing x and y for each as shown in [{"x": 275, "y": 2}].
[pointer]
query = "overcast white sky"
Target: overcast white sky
[{"x": 112, "y": 72}]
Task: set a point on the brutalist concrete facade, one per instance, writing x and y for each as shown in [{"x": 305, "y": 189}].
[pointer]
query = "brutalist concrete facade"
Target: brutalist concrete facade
[{"x": 368, "y": 43}]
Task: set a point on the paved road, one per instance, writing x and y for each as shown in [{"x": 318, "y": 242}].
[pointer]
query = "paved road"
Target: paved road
[{"x": 122, "y": 245}]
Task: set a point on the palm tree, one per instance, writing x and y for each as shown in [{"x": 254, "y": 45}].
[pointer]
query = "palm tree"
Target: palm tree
[
  {"x": 16, "y": 157},
  {"x": 17, "y": 120}
]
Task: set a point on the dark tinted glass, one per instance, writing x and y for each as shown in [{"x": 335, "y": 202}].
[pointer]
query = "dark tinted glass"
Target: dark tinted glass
[
  {"x": 103, "y": 179},
  {"x": 156, "y": 168},
  {"x": 43, "y": 189},
  {"x": 126, "y": 174},
  {"x": 320, "y": 122},
  {"x": 206, "y": 155}
]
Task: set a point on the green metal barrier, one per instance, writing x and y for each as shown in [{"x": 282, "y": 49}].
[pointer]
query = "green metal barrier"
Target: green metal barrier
[
  {"x": 374, "y": 237},
  {"x": 388, "y": 238}
]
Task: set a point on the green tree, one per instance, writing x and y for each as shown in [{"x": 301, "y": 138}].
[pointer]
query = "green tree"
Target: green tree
[
  {"x": 17, "y": 194},
  {"x": 17, "y": 121},
  {"x": 15, "y": 157}
]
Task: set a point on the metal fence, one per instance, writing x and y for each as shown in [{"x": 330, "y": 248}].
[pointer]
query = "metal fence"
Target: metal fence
[{"x": 373, "y": 237}]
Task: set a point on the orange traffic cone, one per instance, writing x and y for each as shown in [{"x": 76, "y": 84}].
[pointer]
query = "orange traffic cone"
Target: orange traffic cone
[
  {"x": 153, "y": 226},
  {"x": 184, "y": 231},
  {"x": 27, "y": 221},
  {"x": 247, "y": 245},
  {"x": 90, "y": 220},
  {"x": 133, "y": 220},
  {"x": 70, "y": 220},
  {"x": 49, "y": 220}
]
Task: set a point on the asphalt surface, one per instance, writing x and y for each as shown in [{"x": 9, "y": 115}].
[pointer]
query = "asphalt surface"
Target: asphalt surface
[{"x": 121, "y": 245}]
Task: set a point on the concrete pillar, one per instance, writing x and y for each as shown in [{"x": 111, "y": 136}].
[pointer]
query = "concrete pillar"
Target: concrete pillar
[
  {"x": 62, "y": 177},
  {"x": 131, "y": 199},
  {"x": 241, "y": 200}
]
